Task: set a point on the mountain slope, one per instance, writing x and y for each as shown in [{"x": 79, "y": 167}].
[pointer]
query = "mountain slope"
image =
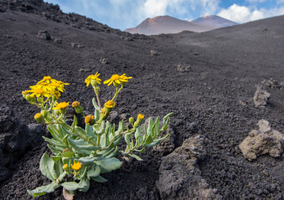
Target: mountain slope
[
  {"x": 214, "y": 20},
  {"x": 167, "y": 24}
]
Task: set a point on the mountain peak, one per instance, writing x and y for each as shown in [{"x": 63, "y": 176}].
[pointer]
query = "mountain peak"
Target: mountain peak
[
  {"x": 167, "y": 25},
  {"x": 214, "y": 20}
]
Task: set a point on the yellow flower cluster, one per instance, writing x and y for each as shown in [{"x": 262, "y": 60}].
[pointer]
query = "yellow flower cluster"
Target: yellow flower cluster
[{"x": 46, "y": 87}]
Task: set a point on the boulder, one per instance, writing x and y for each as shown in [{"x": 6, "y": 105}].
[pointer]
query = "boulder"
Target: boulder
[
  {"x": 43, "y": 34},
  {"x": 180, "y": 176},
  {"x": 15, "y": 139},
  {"x": 260, "y": 97},
  {"x": 262, "y": 141}
]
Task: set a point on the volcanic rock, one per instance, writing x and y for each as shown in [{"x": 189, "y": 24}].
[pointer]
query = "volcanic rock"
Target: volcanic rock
[
  {"x": 44, "y": 34},
  {"x": 180, "y": 176},
  {"x": 260, "y": 97},
  {"x": 76, "y": 45},
  {"x": 154, "y": 53},
  {"x": 262, "y": 141}
]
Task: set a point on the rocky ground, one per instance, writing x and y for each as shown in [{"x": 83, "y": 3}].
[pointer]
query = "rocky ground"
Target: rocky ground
[{"x": 208, "y": 80}]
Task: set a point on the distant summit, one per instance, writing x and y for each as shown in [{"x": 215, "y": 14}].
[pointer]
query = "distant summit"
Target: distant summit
[
  {"x": 214, "y": 20},
  {"x": 167, "y": 24}
]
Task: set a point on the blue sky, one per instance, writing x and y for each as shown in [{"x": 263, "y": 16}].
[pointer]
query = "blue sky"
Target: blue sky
[{"x": 122, "y": 14}]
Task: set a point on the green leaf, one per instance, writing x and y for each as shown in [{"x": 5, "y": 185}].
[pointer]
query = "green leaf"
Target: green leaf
[
  {"x": 80, "y": 131},
  {"x": 44, "y": 189},
  {"x": 120, "y": 128},
  {"x": 99, "y": 179},
  {"x": 117, "y": 140},
  {"x": 150, "y": 126},
  {"x": 84, "y": 184},
  {"x": 58, "y": 166},
  {"x": 97, "y": 115},
  {"x": 67, "y": 129},
  {"x": 75, "y": 122},
  {"x": 70, "y": 185},
  {"x": 83, "y": 172},
  {"x": 90, "y": 132},
  {"x": 95, "y": 104},
  {"x": 88, "y": 159},
  {"x": 55, "y": 150},
  {"x": 148, "y": 140},
  {"x": 136, "y": 157},
  {"x": 56, "y": 158},
  {"x": 108, "y": 164},
  {"x": 113, "y": 154},
  {"x": 62, "y": 131},
  {"x": 108, "y": 152},
  {"x": 54, "y": 142},
  {"x": 47, "y": 167},
  {"x": 156, "y": 127},
  {"x": 95, "y": 171},
  {"x": 127, "y": 140},
  {"x": 54, "y": 132},
  {"x": 167, "y": 117},
  {"x": 140, "y": 150},
  {"x": 82, "y": 145}
]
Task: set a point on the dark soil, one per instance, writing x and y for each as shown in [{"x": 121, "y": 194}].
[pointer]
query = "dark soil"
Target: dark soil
[{"x": 207, "y": 78}]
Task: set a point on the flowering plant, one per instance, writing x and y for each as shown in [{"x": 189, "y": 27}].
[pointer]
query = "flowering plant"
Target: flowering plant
[{"x": 85, "y": 154}]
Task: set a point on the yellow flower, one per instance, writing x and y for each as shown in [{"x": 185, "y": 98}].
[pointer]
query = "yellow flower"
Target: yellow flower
[
  {"x": 140, "y": 116},
  {"x": 59, "y": 85},
  {"x": 109, "y": 104},
  {"x": 93, "y": 77},
  {"x": 117, "y": 80},
  {"x": 46, "y": 79},
  {"x": 61, "y": 105},
  {"x": 76, "y": 166},
  {"x": 38, "y": 92},
  {"x": 75, "y": 104},
  {"x": 43, "y": 86},
  {"x": 89, "y": 119}
]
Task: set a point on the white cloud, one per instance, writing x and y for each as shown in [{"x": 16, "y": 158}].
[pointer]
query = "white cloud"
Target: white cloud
[
  {"x": 242, "y": 14},
  {"x": 152, "y": 8}
]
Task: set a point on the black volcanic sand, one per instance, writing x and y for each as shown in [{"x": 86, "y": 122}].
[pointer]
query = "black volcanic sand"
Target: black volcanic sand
[{"x": 216, "y": 94}]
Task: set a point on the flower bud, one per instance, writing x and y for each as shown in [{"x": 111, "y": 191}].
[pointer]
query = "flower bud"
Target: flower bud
[
  {"x": 140, "y": 117},
  {"x": 90, "y": 120},
  {"x": 131, "y": 120},
  {"x": 30, "y": 98},
  {"x": 57, "y": 111},
  {"x": 136, "y": 124},
  {"x": 67, "y": 152},
  {"x": 103, "y": 111},
  {"x": 44, "y": 113},
  {"x": 39, "y": 118},
  {"x": 78, "y": 109},
  {"x": 65, "y": 167}
]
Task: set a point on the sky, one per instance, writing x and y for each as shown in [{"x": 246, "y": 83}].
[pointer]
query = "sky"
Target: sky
[{"x": 122, "y": 14}]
